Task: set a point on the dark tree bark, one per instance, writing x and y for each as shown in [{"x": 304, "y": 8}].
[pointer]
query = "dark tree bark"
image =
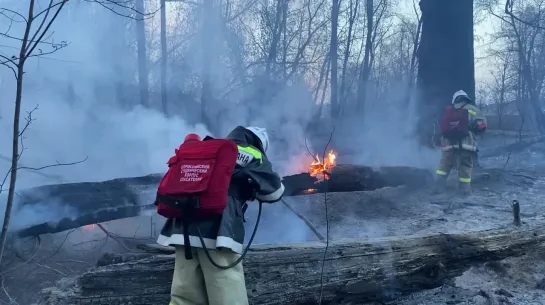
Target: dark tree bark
[
  {"x": 343, "y": 91},
  {"x": 365, "y": 70},
  {"x": 164, "y": 58},
  {"x": 446, "y": 60},
  {"x": 356, "y": 271},
  {"x": 334, "y": 53},
  {"x": 142, "y": 55},
  {"x": 353, "y": 178},
  {"x": 207, "y": 36}
]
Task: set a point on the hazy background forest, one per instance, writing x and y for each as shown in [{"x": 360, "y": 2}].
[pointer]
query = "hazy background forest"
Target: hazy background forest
[
  {"x": 106, "y": 95},
  {"x": 247, "y": 62}
]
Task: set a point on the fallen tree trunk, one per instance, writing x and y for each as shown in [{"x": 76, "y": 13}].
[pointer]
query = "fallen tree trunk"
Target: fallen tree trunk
[
  {"x": 95, "y": 202},
  {"x": 85, "y": 203},
  {"x": 353, "y": 178},
  {"x": 355, "y": 271}
]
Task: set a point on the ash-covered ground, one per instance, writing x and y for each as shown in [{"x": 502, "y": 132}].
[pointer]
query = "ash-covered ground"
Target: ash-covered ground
[
  {"x": 401, "y": 211},
  {"x": 388, "y": 211},
  {"x": 398, "y": 211}
]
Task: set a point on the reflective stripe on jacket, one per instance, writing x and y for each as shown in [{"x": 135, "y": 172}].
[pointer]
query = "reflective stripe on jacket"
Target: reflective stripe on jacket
[
  {"x": 469, "y": 142},
  {"x": 228, "y": 231}
]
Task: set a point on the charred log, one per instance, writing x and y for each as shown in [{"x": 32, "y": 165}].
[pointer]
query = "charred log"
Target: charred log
[
  {"x": 91, "y": 202},
  {"x": 95, "y": 202},
  {"x": 356, "y": 271},
  {"x": 352, "y": 178}
]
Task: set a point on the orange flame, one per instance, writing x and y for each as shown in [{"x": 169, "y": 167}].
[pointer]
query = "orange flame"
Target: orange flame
[
  {"x": 89, "y": 227},
  {"x": 317, "y": 167}
]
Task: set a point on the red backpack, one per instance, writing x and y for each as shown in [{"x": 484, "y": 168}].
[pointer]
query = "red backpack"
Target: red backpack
[
  {"x": 197, "y": 182},
  {"x": 455, "y": 123}
]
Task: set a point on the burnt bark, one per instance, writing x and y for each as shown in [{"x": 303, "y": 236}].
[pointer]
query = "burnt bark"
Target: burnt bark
[
  {"x": 351, "y": 178},
  {"x": 445, "y": 59},
  {"x": 356, "y": 271},
  {"x": 92, "y": 202}
]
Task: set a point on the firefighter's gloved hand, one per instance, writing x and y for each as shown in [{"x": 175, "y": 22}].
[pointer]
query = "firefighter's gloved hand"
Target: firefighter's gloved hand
[{"x": 480, "y": 128}]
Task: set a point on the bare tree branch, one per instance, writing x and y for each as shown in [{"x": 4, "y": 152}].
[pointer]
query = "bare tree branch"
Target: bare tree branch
[
  {"x": 509, "y": 11},
  {"x": 126, "y": 5}
]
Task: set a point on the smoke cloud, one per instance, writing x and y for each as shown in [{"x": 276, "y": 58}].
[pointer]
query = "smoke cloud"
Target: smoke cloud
[{"x": 88, "y": 101}]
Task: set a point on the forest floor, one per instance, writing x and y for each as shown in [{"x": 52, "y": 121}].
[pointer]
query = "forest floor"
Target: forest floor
[{"x": 34, "y": 264}]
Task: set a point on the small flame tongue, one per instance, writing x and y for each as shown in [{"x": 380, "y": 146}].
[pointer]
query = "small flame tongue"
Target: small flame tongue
[
  {"x": 89, "y": 227},
  {"x": 318, "y": 168}
]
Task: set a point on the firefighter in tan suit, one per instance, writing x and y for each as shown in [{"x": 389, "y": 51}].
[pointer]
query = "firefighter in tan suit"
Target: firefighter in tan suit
[
  {"x": 459, "y": 151},
  {"x": 198, "y": 281}
]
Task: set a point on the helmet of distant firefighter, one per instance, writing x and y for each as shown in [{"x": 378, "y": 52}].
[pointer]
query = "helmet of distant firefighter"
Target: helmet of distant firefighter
[{"x": 461, "y": 96}]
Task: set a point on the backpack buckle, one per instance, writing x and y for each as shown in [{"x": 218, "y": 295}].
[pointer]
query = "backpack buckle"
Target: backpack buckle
[{"x": 194, "y": 203}]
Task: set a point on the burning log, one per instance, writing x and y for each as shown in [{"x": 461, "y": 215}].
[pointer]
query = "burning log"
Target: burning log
[
  {"x": 355, "y": 271},
  {"x": 352, "y": 178},
  {"x": 96, "y": 202}
]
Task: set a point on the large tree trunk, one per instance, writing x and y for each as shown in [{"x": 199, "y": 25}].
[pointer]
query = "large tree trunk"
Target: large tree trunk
[
  {"x": 164, "y": 59},
  {"x": 365, "y": 70},
  {"x": 334, "y": 53},
  {"x": 353, "y": 178},
  {"x": 446, "y": 59},
  {"x": 355, "y": 271},
  {"x": 143, "y": 82},
  {"x": 95, "y": 202},
  {"x": 207, "y": 37},
  {"x": 344, "y": 90}
]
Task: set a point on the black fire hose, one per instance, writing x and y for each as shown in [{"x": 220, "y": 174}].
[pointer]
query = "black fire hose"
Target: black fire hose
[{"x": 243, "y": 252}]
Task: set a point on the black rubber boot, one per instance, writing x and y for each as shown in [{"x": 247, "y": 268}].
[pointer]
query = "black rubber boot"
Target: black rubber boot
[
  {"x": 464, "y": 189},
  {"x": 440, "y": 185}
]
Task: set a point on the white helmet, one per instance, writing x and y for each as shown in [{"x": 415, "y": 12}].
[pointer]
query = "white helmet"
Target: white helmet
[
  {"x": 460, "y": 94},
  {"x": 261, "y": 133}
]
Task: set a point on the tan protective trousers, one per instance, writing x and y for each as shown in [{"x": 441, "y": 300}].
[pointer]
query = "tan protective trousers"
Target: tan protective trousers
[
  {"x": 461, "y": 157},
  {"x": 198, "y": 282}
]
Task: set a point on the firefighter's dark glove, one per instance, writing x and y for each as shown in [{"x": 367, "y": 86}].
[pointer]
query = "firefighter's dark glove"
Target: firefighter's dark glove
[{"x": 481, "y": 128}]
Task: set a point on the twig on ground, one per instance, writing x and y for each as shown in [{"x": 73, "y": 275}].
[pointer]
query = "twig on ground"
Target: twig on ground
[
  {"x": 75, "y": 261},
  {"x": 108, "y": 234},
  {"x": 65, "y": 267},
  {"x": 38, "y": 246},
  {"x": 50, "y": 268},
  {"x": 60, "y": 246},
  {"x": 519, "y": 138},
  {"x": 90, "y": 241},
  {"x": 11, "y": 300},
  {"x": 320, "y": 236}
]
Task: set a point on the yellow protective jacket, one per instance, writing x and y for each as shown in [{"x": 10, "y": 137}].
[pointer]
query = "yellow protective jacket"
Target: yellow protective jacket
[{"x": 470, "y": 142}]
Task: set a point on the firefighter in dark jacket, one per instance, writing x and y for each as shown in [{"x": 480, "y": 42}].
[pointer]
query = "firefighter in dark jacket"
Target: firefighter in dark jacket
[
  {"x": 463, "y": 152},
  {"x": 197, "y": 281}
]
